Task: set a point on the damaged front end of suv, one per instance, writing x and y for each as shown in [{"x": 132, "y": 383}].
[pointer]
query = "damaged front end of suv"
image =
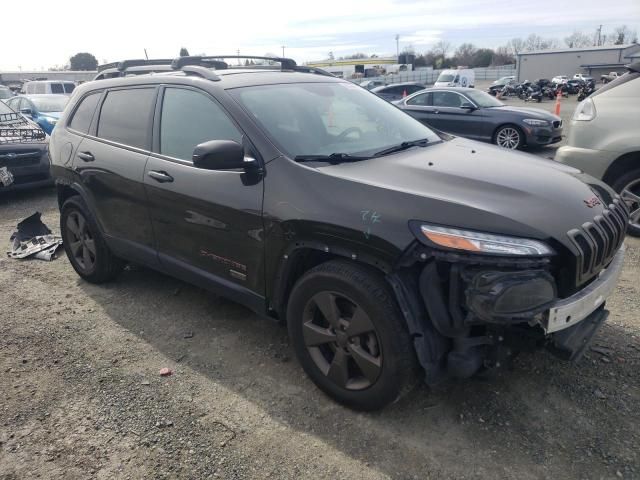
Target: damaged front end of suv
[{"x": 473, "y": 300}]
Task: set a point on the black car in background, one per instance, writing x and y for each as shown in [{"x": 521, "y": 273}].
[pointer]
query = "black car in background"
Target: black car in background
[
  {"x": 383, "y": 246},
  {"x": 24, "y": 159},
  {"x": 396, "y": 91},
  {"x": 475, "y": 114},
  {"x": 499, "y": 84}
]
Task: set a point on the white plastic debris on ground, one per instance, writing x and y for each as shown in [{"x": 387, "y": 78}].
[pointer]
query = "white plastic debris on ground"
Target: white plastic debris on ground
[{"x": 34, "y": 239}]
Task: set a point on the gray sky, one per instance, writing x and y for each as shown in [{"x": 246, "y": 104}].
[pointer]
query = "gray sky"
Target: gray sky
[{"x": 121, "y": 29}]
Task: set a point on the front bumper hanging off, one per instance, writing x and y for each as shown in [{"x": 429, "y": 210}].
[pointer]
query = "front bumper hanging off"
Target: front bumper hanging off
[{"x": 569, "y": 311}]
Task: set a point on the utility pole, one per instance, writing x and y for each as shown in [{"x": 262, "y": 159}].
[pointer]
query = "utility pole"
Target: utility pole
[
  {"x": 283, "y": 47},
  {"x": 238, "y": 51},
  {"x": 599, "y": 35},
  {"x": 398, "y": 46},
  {"x": 145, "y": 54}
]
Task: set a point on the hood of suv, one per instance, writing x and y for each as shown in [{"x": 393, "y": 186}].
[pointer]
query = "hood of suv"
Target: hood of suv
[{"x": 467, "y": 184}]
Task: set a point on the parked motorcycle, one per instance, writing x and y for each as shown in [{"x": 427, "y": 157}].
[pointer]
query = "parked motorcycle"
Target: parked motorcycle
[
  {"x": 586, "y": 89},
  {"x": 533, "y": 93}
]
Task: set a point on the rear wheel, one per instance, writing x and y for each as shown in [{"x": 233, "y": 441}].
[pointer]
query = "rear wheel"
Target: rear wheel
[
  {"x": 349, "y": 336},
  {"x": 628, "y": 186},
  {"x": 84, "y": 245},
  {"x": 508, "y": 136}
]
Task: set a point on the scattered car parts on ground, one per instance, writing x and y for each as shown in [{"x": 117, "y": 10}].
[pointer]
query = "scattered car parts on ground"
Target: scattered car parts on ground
[{"x": 33, "y": 238}]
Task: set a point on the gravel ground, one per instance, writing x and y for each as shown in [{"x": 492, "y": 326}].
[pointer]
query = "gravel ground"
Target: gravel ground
[{"x": 82, "y": 396}]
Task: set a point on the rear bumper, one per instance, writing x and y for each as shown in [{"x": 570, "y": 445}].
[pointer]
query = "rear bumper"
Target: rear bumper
[{"x": 28, "y": 173}]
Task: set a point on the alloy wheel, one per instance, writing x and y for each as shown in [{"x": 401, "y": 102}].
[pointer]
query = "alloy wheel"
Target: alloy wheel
[
  {"x": 631, "y": 196},
  {"x": 508, "y": 137},
  {"x": 342, "y": 340},
  {"x": 81, "y": 242}
]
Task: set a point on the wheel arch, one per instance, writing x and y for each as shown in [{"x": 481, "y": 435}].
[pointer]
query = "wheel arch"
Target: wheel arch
[
  {"x": 303, "y": 255},
  {"x": 66, "y": 190},
  {"x": 620, "y": 166}
]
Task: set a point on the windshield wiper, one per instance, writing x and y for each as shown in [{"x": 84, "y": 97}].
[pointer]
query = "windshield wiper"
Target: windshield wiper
[
  {"x": 333, "y": 158},
  {"x": 402, "y": 146}
]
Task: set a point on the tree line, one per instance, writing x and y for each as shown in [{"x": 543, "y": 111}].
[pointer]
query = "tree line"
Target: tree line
[{"x": 443, "y": 55}]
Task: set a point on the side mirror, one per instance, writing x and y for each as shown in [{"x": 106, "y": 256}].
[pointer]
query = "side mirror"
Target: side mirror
[
  {"x": 468, "y": 106},
  {"x": 26, "y": 111},
  {"x": 221, "y": 155}
]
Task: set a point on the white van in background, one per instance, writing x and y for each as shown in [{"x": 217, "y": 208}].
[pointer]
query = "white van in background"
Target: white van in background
[
  {"x": 463, "y": 77},
  {"x": 48, "y": 87}
]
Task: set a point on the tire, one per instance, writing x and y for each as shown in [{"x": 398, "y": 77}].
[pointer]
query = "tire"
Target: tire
[
  {"x": 628, "y": 186},
  {"x": 506, "y": 132},
  {"x": 359, "y": 300},
  {"x": 85, "y": 247}
]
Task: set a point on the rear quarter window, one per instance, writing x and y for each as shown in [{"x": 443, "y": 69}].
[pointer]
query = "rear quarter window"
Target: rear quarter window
[
  {"x": 69, "y": 87},
  {"x": 125, "y": 117},
  {"x": 81, "y": 119}
]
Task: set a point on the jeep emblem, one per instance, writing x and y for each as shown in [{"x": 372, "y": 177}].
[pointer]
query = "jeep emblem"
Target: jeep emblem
[{"x": 592, "y": 202}]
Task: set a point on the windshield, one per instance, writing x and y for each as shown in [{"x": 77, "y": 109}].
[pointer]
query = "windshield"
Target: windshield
[
  {"x": 5, "y": 93},
  {"x": 325, "y": 118},
  {"x": 4, "y": 109},
  {"x": 53, "y": 103},
  {"x": 482, "y": 99},
  {"x": 445, "y": 77}
]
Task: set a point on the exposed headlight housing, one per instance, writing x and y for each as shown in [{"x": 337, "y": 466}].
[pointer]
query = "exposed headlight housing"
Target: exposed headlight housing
[
  {"x": 534, "y": 122},
  {"x": 585, "y": 111},
  {"x": 483, "y": 243}
]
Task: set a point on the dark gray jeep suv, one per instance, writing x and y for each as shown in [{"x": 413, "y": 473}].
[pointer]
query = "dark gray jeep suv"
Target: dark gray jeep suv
[{"x": 390, "y": 251}]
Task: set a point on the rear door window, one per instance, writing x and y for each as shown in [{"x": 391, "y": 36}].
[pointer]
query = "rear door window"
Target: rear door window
[
  {"x": 413, "y": 89},
  {"x": 190, "y": 118},
  {"x": 56, "y": 88},
  {"x": 81, "y": 119},
  {"x": 125, "y": 117},
  {"x": 68, "y": 87}
]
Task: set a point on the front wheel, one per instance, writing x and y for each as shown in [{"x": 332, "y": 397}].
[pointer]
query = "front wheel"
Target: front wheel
[
  {"x": 628, "y": 186},
  {"x": 508, "y": 137},
  {"x": 349, "y": 336}
]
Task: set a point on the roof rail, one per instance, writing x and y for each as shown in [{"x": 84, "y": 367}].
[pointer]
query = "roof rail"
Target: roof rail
[
  {"x": 122, "y": 66},
  {"x": 107, "y": 65},
  {"x": 201, "y": 71},
  {"x": 178, "y": 63}
]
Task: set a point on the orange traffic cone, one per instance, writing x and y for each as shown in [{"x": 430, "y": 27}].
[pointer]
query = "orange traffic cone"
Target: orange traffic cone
[
  {"x": 404, "y": 93},
  {"x": 558, "y": 97}
]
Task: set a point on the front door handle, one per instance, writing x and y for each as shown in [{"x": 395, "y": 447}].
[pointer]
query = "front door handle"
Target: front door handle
[
  {"x": 162, "y": 177},
  {"x": 86, "y": 156},
  {"x": 436, "y": 111}
]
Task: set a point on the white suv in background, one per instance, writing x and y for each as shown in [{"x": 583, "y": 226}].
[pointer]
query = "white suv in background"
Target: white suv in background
[
  {"x": 604, "y": 139},
  {"x": 560, "y": 79}
]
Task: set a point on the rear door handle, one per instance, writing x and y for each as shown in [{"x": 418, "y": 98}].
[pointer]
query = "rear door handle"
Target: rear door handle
[
  {"x": 162, "y": 177},
  {"x": 436, "y": 111},
  {"x": 86, "y": 156}
]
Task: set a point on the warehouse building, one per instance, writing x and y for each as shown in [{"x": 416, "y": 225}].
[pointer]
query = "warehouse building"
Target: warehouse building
[{"x": 593, "y": 61}]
